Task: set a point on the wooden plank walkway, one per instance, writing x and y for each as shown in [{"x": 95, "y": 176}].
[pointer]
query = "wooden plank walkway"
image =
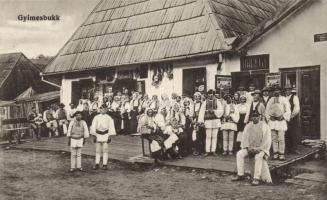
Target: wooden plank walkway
[{"x": 128, "y": 149}]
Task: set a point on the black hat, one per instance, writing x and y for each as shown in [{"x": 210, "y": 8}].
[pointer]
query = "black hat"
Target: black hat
[
  {"x": 61, "y": 105},
  {"x": 228, "y": 96},
  {"x": 77, "y": 112},
  {"x": 266, "y": 89},
  {"x": 211, "y": 92},
  {"x": 104, "y": 106},
  {"x": 256, "y": 92},
  {"x": 255, "y": 114}
]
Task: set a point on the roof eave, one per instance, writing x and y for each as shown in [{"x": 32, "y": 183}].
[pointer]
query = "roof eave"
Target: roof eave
[{"x": 178, "y": 58}]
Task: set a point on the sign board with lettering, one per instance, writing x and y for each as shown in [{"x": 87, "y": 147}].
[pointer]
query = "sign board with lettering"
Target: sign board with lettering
[
  {"x": 255, "y": 62},
  {"x": 223, "y": 82},
  {"x": 320, "y": 37},
  {"x": 273, "y": 79}
]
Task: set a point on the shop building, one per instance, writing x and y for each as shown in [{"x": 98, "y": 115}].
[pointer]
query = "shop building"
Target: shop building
[{"x": 293, "y": 44}]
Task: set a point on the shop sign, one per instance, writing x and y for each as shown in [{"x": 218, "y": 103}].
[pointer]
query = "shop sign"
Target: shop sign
[
  {"x": 223, "y": 82},
  {"x": 273, "y": 79},
  {"x": 320, "y": 37},
  {"x": 256, "y": 62}
]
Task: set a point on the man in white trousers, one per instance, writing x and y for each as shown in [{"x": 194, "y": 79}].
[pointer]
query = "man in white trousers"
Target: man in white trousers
[
  {"x": 256, "y": 142},
  {"x": 102, "y": 128},
  {"x": 278, "y": 113},
  {"x": 210, "y": 115}
]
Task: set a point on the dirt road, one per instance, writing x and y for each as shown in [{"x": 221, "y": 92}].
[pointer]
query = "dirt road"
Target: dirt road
[{"x": 43, "y": 175}]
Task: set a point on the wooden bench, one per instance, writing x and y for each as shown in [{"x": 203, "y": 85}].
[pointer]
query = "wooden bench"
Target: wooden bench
[
  {"x": 14, "y": 127},
  {"x": 142, "y": 141}
]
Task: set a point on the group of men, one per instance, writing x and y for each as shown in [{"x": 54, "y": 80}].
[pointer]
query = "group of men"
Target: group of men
[{"x": 181, "y": 125}]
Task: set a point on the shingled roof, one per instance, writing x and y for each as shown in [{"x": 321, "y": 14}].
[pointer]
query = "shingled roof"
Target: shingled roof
[{"x": 124, "y": 32}]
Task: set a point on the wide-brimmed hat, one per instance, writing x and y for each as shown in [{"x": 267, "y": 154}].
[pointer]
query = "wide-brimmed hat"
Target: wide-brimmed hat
[
  {"x": 61, "y": 105},
  {"x": 255, "y": 114},
  {"x": 211, "y": 92},
  {"x": 228, "y": 96},
  {"x": 256, "y": 92},
  {"x": 266, "y": 89},
  {"x": 77, "y": 112},
  {"x": 103, "y": 106}
]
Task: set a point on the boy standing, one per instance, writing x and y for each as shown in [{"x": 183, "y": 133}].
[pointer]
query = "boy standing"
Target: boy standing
[{"x": 77, "y": 132}]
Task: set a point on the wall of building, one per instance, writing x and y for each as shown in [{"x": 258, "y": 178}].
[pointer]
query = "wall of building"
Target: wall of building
[
  {"x": 176, "y": 84},
  {"x": 291, "y": 44}
]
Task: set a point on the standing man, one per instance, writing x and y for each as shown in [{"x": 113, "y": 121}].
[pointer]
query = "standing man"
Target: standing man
[
  {"x": 61, "y": 116},
  {"x": 256, "y": 142},
  {"x": 77, "y": 132},
  {"x": 102, "y": 128},
  {"x": 198, "y": 134},
  {"x": 278, "y": 112},
  {"x": 255, "y": 107},
  {"x": 210, "y": 115},
  {"x": 265, "y": 95},
  {"x": 293, "y": 132}
]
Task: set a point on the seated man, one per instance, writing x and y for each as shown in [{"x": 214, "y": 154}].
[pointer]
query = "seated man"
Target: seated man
[
  {"x": 256, "y": 142},
  {"x": 174, "y": 136},
  {"x": 36, "y": 121}
]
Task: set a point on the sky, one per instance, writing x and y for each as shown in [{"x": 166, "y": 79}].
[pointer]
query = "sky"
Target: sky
[{"x": 40, "y": 37}]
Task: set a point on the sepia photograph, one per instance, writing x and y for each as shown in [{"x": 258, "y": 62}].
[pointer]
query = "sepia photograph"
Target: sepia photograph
[{"x": 163, "y": 99}]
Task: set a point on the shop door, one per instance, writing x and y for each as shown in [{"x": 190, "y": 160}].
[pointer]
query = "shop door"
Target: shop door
[
  {"x": 76, "y": 92},
  {"x": 194, "y": 80},
  {"x": 248, "y": 77},
  {"x": 309, "y": 93}
]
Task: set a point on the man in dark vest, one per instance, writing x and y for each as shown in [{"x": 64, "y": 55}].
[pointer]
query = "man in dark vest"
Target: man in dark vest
[
  {"x": 255, "y": 107},
  {"x": 293, "y": 133},
  {"x": 61, "y": 115},
  {"x": 265, "y": 95}
]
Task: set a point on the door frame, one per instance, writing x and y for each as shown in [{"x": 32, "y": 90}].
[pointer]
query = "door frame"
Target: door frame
[
  {"x": 298, "y": 71},
  {"x": 195, "y": 69}
]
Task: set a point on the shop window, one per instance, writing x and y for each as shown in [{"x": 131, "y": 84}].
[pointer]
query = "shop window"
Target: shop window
[{"x": 256, "y": 62}]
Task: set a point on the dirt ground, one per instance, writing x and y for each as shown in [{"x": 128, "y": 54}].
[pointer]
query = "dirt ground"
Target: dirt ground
[{"x": 44, "y": 175}]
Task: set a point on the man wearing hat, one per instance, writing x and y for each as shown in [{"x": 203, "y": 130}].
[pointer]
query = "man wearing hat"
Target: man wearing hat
[
  {"x": 256, "y": 143},
  {"x": 102, "y": 128},
  {"x": 278, "y": 112},
  {"x": 229, "y": 125},
  {"x": 77, "y": 132},
  {"x": 61, "y": 115},
  {"x": 255, "y": 107},
  {"x": 210, "y": 115},
  {"x": 265, "y": 95},
  {"x": 293, "y": 132},
  {"x": 198, "y": 134}
]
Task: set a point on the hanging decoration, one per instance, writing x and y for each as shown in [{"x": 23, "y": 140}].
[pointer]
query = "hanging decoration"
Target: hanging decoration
[
  {"x": 169, "y": 71},
  {"x": 157, "y": 76}
]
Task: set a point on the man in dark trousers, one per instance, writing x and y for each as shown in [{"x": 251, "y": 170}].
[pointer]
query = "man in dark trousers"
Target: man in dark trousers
[{"x": 293, "y": 133}]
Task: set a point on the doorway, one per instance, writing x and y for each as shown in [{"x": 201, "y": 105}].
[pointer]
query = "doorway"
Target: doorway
[
  {"x": 245, "y": 78},
  {"x": 82, "y": 87},
  {"x": 194, "y": 80},
  {"x": 307, "y": 82}
]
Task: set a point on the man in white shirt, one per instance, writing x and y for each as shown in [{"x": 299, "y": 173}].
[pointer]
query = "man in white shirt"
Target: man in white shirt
[
  {"x": 102, "y": 128},
  {"x": 278, "y": 113},
  {"x": 256, "y": 143},
  {"x": 293, "y": 133},
  {"x": 210, "y": 115}
]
